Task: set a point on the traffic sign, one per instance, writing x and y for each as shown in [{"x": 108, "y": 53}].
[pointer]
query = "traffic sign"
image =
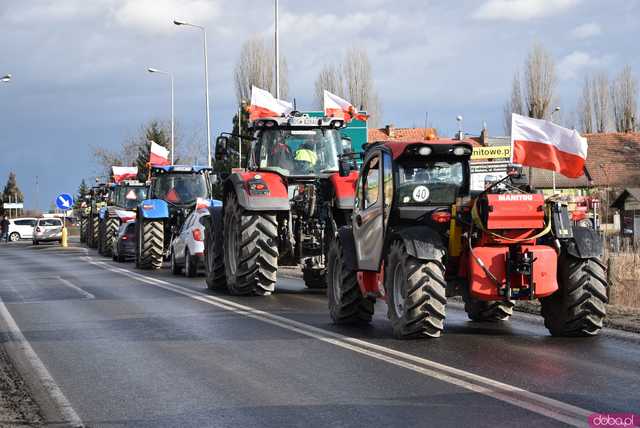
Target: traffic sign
[{"x": 64, "y": 201}]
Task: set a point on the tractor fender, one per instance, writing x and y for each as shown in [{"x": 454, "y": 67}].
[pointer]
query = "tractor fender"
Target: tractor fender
[
  {"x": 585, "y": 244},
  {"x": 421, "y": 242},
  {"x": 154, "y": 209},
  {"x": 345, "y": 235},
  {"x": 344, "y": 189},
  {"x": 276, "y": 199}
]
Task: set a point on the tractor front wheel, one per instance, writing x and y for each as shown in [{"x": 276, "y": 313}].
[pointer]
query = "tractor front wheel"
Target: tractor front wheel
[
  {"x": 214, "y": 258},
  {"x": 416, "y": 294},
  {"x": 150, "y": 248},
  {"x": 347, "y": 305},
  {"x": 251, "y": 249},
  {"x": 483, "y": 311},
  {"x": 110, "y": 232},
  {"x": 578, "y": 307}
]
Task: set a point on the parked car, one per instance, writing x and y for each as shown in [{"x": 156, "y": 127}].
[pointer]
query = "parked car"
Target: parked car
[
  {"x": 47, "y": 230},
  {"x": 21, "y": 228},
  {"x": 187, "y": 248},
  {"x": 124, "y": 246}
]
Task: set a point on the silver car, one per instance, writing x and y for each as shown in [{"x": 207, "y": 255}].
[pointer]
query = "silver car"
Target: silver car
[{"x": 47, "y": 230}]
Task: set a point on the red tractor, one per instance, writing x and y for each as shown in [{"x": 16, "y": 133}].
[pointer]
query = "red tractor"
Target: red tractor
[
  {"x": 283, "y": 208},
  {"x": 417, "y": 237}
]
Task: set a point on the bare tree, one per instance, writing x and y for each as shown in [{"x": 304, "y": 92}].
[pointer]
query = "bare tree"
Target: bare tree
[
  {"x": 255, "y": 66},
  {"x": 600, "y": 94},
  {"x": 539, "y": 82},
  {"x": 359, "y": 87},
  {"x": 585, "y": 107},
  {"x": 330, "y": 79},
  {"x": 514, "y": 104},
  {"x": 624, "y": 95}
]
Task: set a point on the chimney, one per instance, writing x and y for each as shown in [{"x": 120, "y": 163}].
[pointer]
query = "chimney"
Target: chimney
[
  {"x": 390, "y": 130},
  {"x": 484, "y": 135}
]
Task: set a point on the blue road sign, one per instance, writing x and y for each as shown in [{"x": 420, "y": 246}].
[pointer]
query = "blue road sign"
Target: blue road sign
[{"x": 64, "y": 201}]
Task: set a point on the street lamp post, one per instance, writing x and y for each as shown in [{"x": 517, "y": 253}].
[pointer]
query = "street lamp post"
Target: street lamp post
[
  {"x": 5, "y": 78},
  {"x": 277, "y": 51},
  {"x": 206, "y": 82},
  {"x": 155, "y": 70}
]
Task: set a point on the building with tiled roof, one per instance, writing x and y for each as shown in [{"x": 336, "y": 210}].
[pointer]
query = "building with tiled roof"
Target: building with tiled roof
[{"x": 390, "y": 132}]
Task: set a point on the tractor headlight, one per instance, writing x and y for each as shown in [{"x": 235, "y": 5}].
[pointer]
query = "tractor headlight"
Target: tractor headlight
[
  {"x": 424, "y": 151},
  {"x": 461, "y": 151}
]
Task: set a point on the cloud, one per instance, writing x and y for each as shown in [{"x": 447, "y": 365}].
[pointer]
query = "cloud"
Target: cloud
[
  {"x": 570, "y": 65},
  {"x": 155, "y": 16},
  {"x": 520, "y": 10},
  {"x": 586, "y": 31}
]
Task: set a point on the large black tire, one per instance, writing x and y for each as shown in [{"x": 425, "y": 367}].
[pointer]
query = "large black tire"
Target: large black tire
[
  {"x": 578, "y": 307},
  {"x": 214, "y": 258},
  {"x": 110, "y": 233},
  {"x": 314, "y": 278},
  {"x": 150, "y": 246},
  {"x": 83, "y": 230},
  {"x": 250, "y": 249},
  {"x": 483, "y": 311},
  {"x": 94, "y": 229},
  {"x": 416, "y": 294},
  {"x": 347, "y": 305},
  {"x": 190, "y": 265}
]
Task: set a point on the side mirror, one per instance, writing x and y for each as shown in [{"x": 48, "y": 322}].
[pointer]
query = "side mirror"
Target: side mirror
[
  {"x": 344, "y": 167},
  {"x": 221, "y": 147}
]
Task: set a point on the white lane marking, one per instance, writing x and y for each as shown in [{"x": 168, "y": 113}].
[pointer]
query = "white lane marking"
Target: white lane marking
[
  {"x": 71, "y": 285},
  {"x": 64, "y": 406},
  {"x": 533, "y": 402}
]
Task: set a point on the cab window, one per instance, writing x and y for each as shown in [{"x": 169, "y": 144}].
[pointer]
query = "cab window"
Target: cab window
[{"x": 371, "y": 183}]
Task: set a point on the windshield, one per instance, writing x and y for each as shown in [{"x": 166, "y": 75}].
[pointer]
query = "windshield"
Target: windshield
[
  {"x": 128, "y": 197},
  {"x": 429, "y": 182},
  {"x": 180, "y": 188},
  {"x": 299, "y": 151}
]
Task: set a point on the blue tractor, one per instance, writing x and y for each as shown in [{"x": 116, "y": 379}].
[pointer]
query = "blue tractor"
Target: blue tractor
[{"x": 175, "y": 191}]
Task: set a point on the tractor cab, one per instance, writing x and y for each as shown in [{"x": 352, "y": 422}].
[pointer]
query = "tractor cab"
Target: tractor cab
[
  {"x": 127, "y": 195},
  {"x": 180, "y": 186}
]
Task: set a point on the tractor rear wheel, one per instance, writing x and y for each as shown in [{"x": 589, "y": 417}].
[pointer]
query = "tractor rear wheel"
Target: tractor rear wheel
[
  {"x": 150, "y": 246},
  {"x": 314, "y": 278},
  {"x": 94, "y": 229},
  {"x": 416, "y": 294},
  {"x": 483, "y": 311},
  {"x": 214, "y": 258},
  {"x": 347, "y": 305},
  {"x": 83, "y": 230},
  {"x": 250, "y": 249},
  {"x": 110, "y": 232},
  {"x": 578, "y": 307}
]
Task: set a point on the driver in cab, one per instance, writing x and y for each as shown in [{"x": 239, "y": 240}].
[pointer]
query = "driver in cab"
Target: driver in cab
[{"x": 306, "y": 153}]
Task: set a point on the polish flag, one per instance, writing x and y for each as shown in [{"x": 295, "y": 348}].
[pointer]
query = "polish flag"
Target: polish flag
[
  {"x": 542, "y": 144},
  {"x": 334, "y": 106},
  {"x": 158, "y": 155},
  {"x": 263, "y": 104},
  {"x": 121, "y": 173}
]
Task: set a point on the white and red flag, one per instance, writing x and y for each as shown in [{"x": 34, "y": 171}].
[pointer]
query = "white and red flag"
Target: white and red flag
[
  {"x": 121, "y": 173},
  {"x": 334, "y": 106},
  {"x": 263, "y": 104},
  {"x": 158, "y": 155},
  {"x": 542, "y": 144}
]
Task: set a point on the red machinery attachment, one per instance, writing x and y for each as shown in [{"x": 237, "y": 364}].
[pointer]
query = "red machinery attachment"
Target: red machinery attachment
[{"x": 509, "y": 264}]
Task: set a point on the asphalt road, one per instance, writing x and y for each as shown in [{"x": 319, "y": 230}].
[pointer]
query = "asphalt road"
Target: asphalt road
[{"x": 113, "y": 346}]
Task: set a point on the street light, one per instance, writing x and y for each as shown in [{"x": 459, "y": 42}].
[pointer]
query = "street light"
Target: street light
[
  {"x": 6, "y": 78},
  {"x": 155, "y": 70},
  {"x": 206, "y": 82}
]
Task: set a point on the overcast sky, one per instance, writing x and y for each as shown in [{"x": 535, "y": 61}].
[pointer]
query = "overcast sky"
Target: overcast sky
[{"x": 79, "y": 76}]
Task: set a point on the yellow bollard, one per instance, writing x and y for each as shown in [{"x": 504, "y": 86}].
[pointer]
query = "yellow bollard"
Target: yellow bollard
[{"x": 64, "y": 242}]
